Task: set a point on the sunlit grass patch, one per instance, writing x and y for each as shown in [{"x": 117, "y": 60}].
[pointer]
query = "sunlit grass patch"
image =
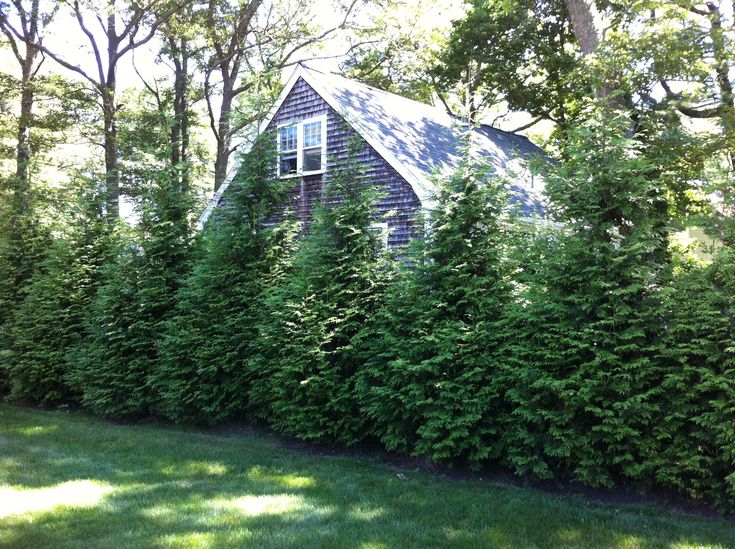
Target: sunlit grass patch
[
  {"x": 285, "y": 480},
  {"x": 37, "y": 430},
  {"x": 195, "y": 468},
  {"x": 367, "y": 513},
  {"x": 254, "y": 506},
  {"x": 189, "y": 539},
  {"x": 76, "y": 493},
  {"x": 84, "y": 483}
]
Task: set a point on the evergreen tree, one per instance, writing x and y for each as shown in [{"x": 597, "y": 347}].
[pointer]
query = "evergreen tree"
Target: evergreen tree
[
  {"x": 49, "y": 321},
  {"x": 309, "y": 354},
  {"x": 202, "y": 376},
  {"x": 136, "y": 298},
  {"x": 430, "y": 385},
  {"x": 693, "y": 445},
  {"x": 584, "y": 379}
]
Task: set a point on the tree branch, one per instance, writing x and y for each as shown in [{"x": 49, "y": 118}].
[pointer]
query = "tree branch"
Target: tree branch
[
  {"x": 160, "y": 19},
  {"x": 11, "y": 39},
  {"x": 90, "y": 37},
  {"x": 69, "y": 66},
  {"x": 691, "y": 112},
  {"x": 531, "y": 123},
  {"x": 210, "y": 109},
  {"x": 154, "y": 91}
]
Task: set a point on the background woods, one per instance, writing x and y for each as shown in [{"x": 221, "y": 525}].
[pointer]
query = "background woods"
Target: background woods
[{"x": 595, "y": 346}]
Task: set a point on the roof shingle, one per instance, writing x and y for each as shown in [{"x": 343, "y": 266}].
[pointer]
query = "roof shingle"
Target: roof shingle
[{"x": 428, "y": 141}]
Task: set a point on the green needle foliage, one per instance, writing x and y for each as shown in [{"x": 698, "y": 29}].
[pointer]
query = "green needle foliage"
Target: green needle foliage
[
  {"x": 135, "y": 300},
  {"x": 586, "y": 382},
  {"x": 49, "y": 322},
  {"x": 693, "y": 445},
  {"x": 429, "y": 386},
  {"x": 309, "y": 343},
  {"x": 203, "y": 375}
]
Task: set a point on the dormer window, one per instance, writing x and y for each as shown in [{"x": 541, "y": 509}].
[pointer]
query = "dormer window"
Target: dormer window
[{"x": 302, "y": 147}]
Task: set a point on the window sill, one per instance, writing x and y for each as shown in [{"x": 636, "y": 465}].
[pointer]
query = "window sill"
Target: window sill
[{"x": 303, "y": 174}]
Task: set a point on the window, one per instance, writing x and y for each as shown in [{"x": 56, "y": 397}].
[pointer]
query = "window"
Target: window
[
  {"x": 289, "y": 150},
  {"x": 382, "y": 232},
  {"x": 302, "y": 147}
]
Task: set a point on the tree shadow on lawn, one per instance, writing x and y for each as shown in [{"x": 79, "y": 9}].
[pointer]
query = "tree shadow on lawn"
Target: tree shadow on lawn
[{"x": 162, "y": 487}]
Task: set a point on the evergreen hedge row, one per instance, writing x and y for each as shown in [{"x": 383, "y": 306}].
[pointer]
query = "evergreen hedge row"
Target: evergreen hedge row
[{"x": 590, "y": 352}]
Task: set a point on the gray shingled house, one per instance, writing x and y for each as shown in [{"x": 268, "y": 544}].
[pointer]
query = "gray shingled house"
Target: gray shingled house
[{"x": 407, "y": 144}]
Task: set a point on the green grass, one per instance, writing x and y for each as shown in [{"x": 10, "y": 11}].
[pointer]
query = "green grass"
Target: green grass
[{"x": 67, "y": 480}]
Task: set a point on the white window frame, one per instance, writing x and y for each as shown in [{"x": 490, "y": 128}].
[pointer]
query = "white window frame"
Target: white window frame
[
  {"x": 382, "y": 230},
  {"x": 300, "y": 146}
]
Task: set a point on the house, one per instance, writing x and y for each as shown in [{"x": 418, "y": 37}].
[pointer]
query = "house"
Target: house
[{"x": 407, "y": 144}]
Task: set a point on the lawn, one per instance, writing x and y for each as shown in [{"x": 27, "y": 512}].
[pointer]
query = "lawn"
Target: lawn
[{"x": 68, "y": 480}]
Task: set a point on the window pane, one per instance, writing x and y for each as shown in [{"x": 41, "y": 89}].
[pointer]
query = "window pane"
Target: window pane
[
  {"x": 288, "y": 138},
  {"x": 312, "y": 134},
  {"x": 288, "y": 163},
  {"x": 312, "y": 160}
]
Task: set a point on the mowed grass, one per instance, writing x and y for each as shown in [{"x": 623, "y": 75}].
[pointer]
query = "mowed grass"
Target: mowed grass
[{"x": 68, "y": 480}]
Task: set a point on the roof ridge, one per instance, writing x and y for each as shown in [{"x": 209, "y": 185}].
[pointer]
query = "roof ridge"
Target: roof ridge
[
  {"x": 373, "y": 88},
  {"x": 440, "y": 110}
]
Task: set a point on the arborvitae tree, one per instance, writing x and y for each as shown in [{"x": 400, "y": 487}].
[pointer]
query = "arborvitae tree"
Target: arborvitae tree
[
  {"x": 128, "y": 315},
  {"x": 429, "y": 387},
  {"x": 309, "y": 357},
  {"x": 693, "y": 444},
  {"x": 585, "y": 380},
  {"x": 26, "y": 201},
  {"x": 24, "y": 243},
  {"x": 202, "y": 376},
  {"x": 110, "y": 365},
  {"x": 49, "y": 321}
]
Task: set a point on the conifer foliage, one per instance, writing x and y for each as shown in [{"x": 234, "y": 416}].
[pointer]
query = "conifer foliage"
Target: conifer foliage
[
  {"x": 692, "y": 445},
  {"x": 136, "y": 296},
  {"x": 203, "y": 374},
  {"x": 429, "y": 386},
  {"x": 309, "y": 347},
  {"x": 49, "y": 323},
  {"x": 584, "y": 380}
]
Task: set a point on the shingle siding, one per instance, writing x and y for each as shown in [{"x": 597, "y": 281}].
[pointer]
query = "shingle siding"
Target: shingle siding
[{"x": 398, "y": 206}]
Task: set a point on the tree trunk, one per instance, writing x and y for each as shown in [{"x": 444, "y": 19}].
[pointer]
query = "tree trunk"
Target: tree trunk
[
  {"x": 112, "y": 175},
  {"x": 722, "y": 72},
  {"x": 23, "y": 151},
  {"x": 180, "y": 126},
  {"x": 109, "y": 113},
  {"x": 184, "y": 114},
  {"x": 224, "y": 138},
  {"x": 21, "y": 197},
  {"x": 583, "y": 22},
  {"x": 583, "y": 13}
]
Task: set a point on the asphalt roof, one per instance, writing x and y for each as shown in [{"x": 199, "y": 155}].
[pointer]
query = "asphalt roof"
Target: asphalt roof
[
  {"x": 427, "y": 140},
  {"x": 420, "y": 141}
]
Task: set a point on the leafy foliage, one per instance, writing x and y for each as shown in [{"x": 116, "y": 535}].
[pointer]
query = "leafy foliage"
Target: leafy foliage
[{"x": 523, "y": 53}]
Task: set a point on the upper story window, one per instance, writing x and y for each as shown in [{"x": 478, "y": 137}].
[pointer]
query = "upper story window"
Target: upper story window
[{"x": 302, "y": 147}]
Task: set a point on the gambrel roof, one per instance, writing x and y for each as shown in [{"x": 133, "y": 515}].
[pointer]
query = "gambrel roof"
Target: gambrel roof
[{"x": 419, "y": 141}]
